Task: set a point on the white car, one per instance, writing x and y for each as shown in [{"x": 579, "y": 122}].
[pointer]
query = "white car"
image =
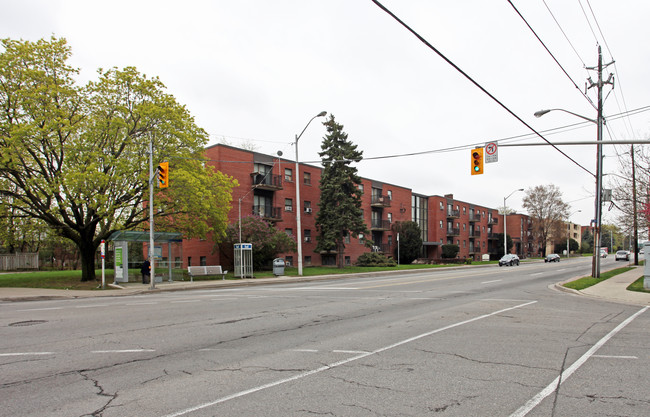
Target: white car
[{"x": 622, "y": 255}]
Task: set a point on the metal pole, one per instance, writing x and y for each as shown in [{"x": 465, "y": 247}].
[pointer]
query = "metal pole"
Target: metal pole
[
  {"x": 505, "y": 228},
  {"x": 152, "y": 276},
  {"x": 298, "y": 213}
]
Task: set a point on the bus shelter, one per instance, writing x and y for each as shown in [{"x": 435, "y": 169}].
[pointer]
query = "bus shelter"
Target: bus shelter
[{"x": 165, "y": 243}]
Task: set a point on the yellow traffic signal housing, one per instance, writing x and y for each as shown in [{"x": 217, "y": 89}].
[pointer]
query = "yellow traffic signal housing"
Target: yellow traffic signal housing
[
  {"x": 163, "y": 175},
  {"x": 477, "y": 161}
]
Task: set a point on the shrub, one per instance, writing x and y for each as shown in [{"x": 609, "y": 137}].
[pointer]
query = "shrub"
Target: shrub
[{"x": 375, "y": 259}]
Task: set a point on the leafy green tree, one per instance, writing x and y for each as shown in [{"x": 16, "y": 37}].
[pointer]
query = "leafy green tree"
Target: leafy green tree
[
  {"x": 499, "y": 237},
  {"x": 573, "y": 246},
  {"x": 76, "y": 158},
  {"x": 410, "y": 241},
  {"x": 450, "y": 251},
  {"x": 267, "y": 241},
  {"x": 340, "y": 211}
]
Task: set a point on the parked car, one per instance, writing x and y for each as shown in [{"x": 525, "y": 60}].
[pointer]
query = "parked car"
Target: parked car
[
  {"x": 622, "y": 255},
  {"x": 553, "y": 257},
  {"x": 509, "y": 259}
]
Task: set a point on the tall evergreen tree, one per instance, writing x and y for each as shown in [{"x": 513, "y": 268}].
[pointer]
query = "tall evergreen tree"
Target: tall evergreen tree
[{"x": 340, "y": 211}]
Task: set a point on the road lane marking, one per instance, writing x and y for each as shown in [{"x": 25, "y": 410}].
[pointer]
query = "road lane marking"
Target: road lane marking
[
  {"x": 27, "y": 354},
  {"x": 123, "y": 351},
  {"x": 354, "y": 352},
  {"x": 489, "y": 282},
  {"x": 550, "y": 388},
  {"x": 342, "y": 362},
  {"x": 93, "y": 306},
  {"x": 538, "y": 273}
]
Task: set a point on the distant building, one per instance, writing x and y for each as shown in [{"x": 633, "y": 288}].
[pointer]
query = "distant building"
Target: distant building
[{"x": 267, "y": 188}]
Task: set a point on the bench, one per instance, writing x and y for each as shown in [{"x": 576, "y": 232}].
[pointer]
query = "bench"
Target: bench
[{"x": 195, "y": 271}]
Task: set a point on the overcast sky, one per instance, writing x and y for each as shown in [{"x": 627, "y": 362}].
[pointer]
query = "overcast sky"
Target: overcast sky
[{"x": 256, "y": 71}]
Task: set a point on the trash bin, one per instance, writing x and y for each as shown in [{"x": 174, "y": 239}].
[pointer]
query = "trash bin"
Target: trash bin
[{"x": 278, "y": 266}]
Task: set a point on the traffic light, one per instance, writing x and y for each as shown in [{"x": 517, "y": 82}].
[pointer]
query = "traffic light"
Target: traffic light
[
  {"x": 477, "y": 161},
  {"x": 163, "y": 175}
]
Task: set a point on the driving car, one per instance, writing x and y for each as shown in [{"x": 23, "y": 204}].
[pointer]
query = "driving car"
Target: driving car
[
  {"x": 603, "y": 253},
  {"x": 509, "y": 259},
  {"x": 622, "y": 255},
  {"x": 552, "y": 257}
]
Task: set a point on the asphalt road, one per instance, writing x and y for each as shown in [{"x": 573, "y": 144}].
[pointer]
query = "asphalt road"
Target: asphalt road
[{"x": 483, "y": 341}]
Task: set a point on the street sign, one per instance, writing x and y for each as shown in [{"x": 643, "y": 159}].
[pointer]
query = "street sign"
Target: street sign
[{"x": 491, "y": 152}]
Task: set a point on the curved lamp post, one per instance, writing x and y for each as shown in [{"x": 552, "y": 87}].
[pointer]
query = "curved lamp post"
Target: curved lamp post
[
  {"x": 298, "y": 212},
  {"x": 505, "y": 228}
]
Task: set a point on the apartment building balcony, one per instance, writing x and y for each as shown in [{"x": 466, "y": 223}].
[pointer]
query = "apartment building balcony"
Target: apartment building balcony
[
  {"x": 381, "y": 248},
  {"x": 472, "y": 250},
  {"x": 273, "y": 214},
  {"x": 453, "y": 231},
  {"x": 492, "y": 236},
  {"x": 266, "y": 181},
  {"x": 380, "y": 201},
  {"x": 453, "y": 214},
  {"x": 474, "y": 234},
  {"x": 493, "y": 220},
  {"x": 380, "y": 225},
  {"x": 473, "y": 218}
]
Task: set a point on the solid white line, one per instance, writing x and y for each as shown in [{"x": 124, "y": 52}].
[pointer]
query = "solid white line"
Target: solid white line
[
  {"x": 185, "y": 301},
  {"x": 305, "y": 350},
  {"x": 124, "y": 351},
  {"x": 26, "y": 353},
  {"x": 141, "y": 304},
  {"x": 351, "y": 351},
  {"x": 341, "y": 362},
  {"x": 538, "y": 273},
  {"x": 489, "y": 282},
  {"x": 533, "y": 402},
  {"x": 93, "y": 306}
]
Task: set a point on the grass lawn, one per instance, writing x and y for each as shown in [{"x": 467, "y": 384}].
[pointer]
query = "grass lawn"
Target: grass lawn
[
  {"x": 71, "y": 280},
  {"x": 637, "y": 286},
  {"x": 582, "y": 283}
]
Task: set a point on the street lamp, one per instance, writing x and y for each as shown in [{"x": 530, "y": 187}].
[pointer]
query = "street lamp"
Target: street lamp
[
  {"x": 568, "y": 225},
  {"x": 299, "y": 213},
  {"x": 505, "y": 228},
  {"x": 595, "y": 270}
]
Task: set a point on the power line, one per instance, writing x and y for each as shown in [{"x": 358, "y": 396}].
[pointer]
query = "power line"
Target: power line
[
  {"x": 552, "y": 56},
  {"x": 417, "y": 35}
]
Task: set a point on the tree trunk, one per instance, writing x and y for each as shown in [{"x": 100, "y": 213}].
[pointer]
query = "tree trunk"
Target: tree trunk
[
  {"x": 87, "y": 252},
  {"x": 341, "y": 252}
]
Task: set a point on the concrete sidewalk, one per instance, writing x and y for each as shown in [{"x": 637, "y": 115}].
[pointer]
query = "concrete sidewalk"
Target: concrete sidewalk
[{"x": 613, "y": 289}]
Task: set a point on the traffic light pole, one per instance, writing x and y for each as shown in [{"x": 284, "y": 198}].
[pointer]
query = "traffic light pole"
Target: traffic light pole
[{"x": 152, "y": 275}]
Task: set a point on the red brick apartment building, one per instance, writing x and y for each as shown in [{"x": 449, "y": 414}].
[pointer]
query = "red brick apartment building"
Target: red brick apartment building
[{"x": 267, "y": 188}]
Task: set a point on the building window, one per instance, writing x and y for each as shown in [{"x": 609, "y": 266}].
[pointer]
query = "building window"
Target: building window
[
  {"x": 361, "y": 188},
  {"x": 441, "y": 224},
  {"x": 306, "y": 178},
  {"x": 307, "y": 235},
  {"x": 288, "y": 260},
  {"x": 464, "y": 210},
  {"x": 390, "y": 194},
  {"x": 307, "y": 205},
  {"x": 464, "y": 225},
  {"x": 307, "y": 260},
  {"x": 189, "y": 261},
  {"x": 348, "y": 261},
  {"x": 288, "y": 174},
  {"x": 361, "y": 239},
  {"x": 390, "y": 217},
  {"x": 288, "y": 204},
  {"x": 464, "y": 242},
  {"x": 442, "y": 207},
  {"x": 346, "y": 238},
  {"x": 203, "y": 261},
  {"x": 288, "y": 231}
]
